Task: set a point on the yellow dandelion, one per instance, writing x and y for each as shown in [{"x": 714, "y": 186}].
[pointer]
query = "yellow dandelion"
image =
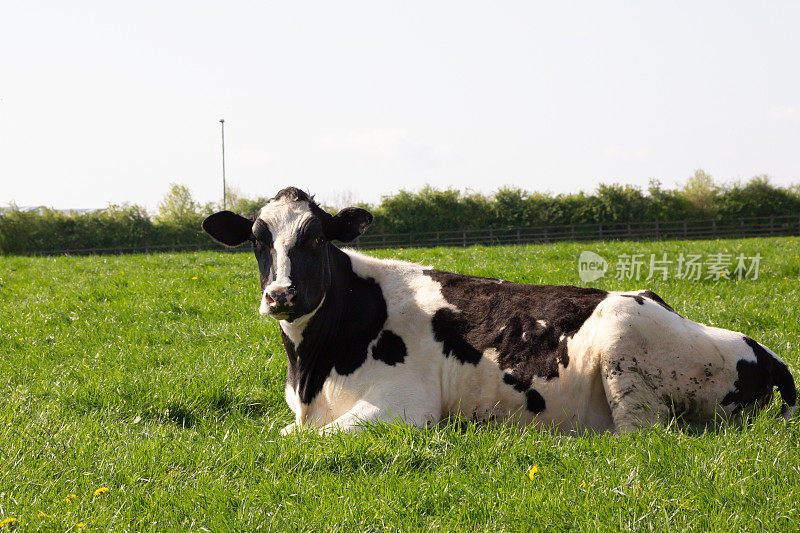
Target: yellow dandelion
[
  {"x": 43, "y": 515},
  {"x": 101, "y": 490},
  {"x": 194, "y": 277},
  {"x": 70, "y": 497},
  {"x": 532, "y": 472},
  {"x": 80, "y": 525},
  {"x": 6, "y": 521}
]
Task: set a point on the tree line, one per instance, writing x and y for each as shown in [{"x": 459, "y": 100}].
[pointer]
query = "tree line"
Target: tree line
[{"x": 177, "y": 220}]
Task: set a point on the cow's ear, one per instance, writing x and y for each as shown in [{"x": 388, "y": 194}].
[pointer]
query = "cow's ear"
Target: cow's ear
[
  {"x": 348, "y": 224},
  {"x": 228, "y": 228}
]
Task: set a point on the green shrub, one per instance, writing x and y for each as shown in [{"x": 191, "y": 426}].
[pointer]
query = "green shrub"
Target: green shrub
[{"x": 429, "y": 209}]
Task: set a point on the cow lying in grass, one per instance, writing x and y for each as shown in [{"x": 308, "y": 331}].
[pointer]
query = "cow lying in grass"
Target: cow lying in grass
[{"x": 372, "y": 340}]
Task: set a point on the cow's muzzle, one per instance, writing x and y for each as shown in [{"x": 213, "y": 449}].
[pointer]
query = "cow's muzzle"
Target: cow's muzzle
[{"x": 279, "y": 301}]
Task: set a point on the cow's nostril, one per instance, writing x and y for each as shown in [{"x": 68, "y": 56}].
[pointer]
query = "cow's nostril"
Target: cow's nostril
[{"x": 280, "y": 297}]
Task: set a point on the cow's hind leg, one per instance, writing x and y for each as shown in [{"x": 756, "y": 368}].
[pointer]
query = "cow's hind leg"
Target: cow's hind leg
[{"x": 633, "y": 394}]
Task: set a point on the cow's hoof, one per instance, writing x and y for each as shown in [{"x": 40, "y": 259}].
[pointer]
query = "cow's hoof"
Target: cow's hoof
[{"x": 288, "y": 430}]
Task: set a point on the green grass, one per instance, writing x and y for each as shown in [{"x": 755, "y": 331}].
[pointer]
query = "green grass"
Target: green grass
[{"x": 129, "y": 373}]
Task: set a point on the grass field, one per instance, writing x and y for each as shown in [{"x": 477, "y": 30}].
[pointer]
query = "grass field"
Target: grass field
[{"x": 154, "y": 377}]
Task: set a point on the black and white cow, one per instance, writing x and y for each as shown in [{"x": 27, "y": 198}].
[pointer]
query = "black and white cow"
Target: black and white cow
[{"x": 372, "y": 340}]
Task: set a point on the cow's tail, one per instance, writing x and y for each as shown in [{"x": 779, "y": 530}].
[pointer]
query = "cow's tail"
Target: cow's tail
[
  {"x": 785, "y": 382},
  {"x": 766, "y": 372}
]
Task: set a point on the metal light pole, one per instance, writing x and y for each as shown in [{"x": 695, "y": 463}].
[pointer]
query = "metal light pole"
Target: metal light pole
[{"x": 224, "y": 188}]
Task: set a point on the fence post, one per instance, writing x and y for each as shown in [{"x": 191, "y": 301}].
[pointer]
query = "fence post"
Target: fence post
[
  {"x": 714, "y": 228},
  {"x": 658, "y": 235},
  {"x": 629, "y": 230},
  {"x": 464, "y": 238},
  {"x": 545, "y": 235},
  {"x": 519, "y": 240},
  {"x": 685, "y": 230},
  {"x": 771, "y": 225},
  {"x": 491, "y": 235},
  {"x": 600, "y": 231},
  {"x": 572, "y": 231}
]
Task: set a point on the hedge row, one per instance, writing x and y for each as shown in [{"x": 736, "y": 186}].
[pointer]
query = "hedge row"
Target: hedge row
[{"x": 178, "y": 219}]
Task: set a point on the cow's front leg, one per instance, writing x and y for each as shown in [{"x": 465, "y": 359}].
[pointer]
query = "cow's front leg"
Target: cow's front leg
[{"x": 365, "y": 413}]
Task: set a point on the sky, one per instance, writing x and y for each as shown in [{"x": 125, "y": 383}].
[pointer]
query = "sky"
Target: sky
[{"x": 110, "y": 102}]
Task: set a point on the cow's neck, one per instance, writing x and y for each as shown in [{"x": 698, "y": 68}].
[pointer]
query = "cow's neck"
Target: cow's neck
[{"x": 337, "y": 335}]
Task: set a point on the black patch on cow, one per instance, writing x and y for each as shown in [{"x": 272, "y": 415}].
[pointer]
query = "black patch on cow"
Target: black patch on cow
[
  {"x": 657, "y": 299},
  {"x": 390, "y": 348},
  {"x": 262, "y": 245},
  {"x": 452, "y": 332},
  {"x": 338, "y": 335},
  {"x": 534, "y": 401},
  {"x": 757, "y": 379},
  {"x": 650, "y": 295},
  {"x": 309, "y": 259},
  {"x": 503, "y": 316},
  {"x": 639, "y": 299},
  {"x": 291, "y": 354},
  {"x": 519, "y": 385}
]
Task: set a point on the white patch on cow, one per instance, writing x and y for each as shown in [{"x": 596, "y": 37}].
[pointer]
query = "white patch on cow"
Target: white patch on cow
[
  {"x": 525, "y": 336},
  {"x": 492, "y": 354},
  {"x": 542, "y": 323},
  {"x": 283, "y": 217}
]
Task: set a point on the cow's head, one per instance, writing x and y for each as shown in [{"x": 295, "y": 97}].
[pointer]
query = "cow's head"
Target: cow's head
[{"x": 291, "y": 238}]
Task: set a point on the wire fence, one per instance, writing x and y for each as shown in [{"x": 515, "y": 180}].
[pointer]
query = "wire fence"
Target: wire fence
[{"x": 773, "y": 226}]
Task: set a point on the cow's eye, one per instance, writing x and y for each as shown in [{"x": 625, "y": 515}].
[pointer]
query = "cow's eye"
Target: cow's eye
[{"x": 312, "y": 240}]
